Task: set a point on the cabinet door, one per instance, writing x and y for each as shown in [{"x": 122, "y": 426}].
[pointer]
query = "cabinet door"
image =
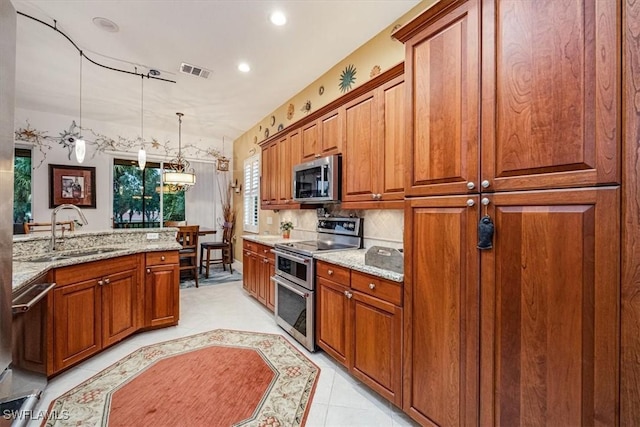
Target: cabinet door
[
  {"x": 331, "y": 133},
  {"x": 162, "y": 295},
  {"x": 377, "y": 341},
  {"x": 391, "y": 136},
  {"x": 295, "y": 148},
  {"x": 263, "y": 279},
  {"x": 120, "y": 297},
  {"x": 551, "y": 93},
  {"x": 441, "y": 311},
  {"x": 271, "y": 286},
  {"x": 77, "y": 323},
  {"x": 442, "y": 134},
  {"x": 284, "y": 182},
  {"x": 269, "y": 175},
  {"x": 332, "y": 319},
  {"x": 310, "y": 137},
  {"x": 361, "y": 151},
  {"x": 253, "y": 274},
  {"x": 246, "y": 270},
  {"x": 550, "y": 304}
]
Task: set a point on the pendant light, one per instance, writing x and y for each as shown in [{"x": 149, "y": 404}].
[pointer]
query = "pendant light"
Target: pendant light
[
  {"x": 223, "y": 162},
  {"x": 80, "y": 145},
  {"x": 142, "y": 155},
  {"x": 179, "y": 176}
]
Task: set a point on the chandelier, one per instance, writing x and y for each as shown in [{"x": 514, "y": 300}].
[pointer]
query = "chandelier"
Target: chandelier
[{"x": 178, "y": 174}]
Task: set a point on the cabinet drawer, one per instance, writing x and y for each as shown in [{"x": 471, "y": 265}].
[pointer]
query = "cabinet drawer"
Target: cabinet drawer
[
  {"x": 265, "y": 251},
  {"x": 333, "y": 272},
  {"x": 250, "y": 246},
  {"x": 162, "y": 258},
  {"x": 93, "y": 269},
  {"x": 377, "y": 287}
]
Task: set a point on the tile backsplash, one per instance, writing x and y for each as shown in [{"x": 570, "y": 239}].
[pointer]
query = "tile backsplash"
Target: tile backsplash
[{"x": 382, "y": 227}]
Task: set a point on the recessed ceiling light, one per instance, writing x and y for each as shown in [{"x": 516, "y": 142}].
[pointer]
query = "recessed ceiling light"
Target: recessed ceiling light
[
  {"x": 106, "y": 24},
  {"x": 244, "y": 67},
  {"x": 278, "y": 18}
]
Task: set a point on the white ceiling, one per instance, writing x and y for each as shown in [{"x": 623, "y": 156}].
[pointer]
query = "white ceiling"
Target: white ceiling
[{"x": 160, "y": 34}]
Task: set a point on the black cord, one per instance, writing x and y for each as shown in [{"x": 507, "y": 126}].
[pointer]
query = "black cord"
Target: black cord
[{"x": 55, "y": 28}]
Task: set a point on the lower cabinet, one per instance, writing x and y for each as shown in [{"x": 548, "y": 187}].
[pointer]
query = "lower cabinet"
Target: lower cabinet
[
  {"x": 359, "y": 324},
  {"x": 94, "y": 305},
  {"x": 258, "y": 265},
  {"x": 99, "y": 303},
  {"x": 162, "y": 289}
]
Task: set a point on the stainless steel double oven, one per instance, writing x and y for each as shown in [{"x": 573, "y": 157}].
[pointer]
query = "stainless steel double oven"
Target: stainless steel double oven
[{"x": 295, "y": 275}]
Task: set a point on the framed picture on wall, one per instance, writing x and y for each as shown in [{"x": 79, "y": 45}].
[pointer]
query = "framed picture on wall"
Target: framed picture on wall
[{"x": 72, "y": 184}]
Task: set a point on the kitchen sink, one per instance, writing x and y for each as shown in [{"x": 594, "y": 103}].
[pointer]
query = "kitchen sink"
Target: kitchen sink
[{"x": 74, "y": 254}]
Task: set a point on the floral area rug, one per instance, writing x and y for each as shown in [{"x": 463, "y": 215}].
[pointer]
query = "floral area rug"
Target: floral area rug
[
  {"x": 217, "y": 276},
  {"x": 216, "y": 378}
]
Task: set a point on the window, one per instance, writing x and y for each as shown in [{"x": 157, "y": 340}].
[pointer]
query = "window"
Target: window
[
  {"x": 251, "y": 193},
  {"x": 136, "y": 196},
  {"x": 21, "y": 188}
]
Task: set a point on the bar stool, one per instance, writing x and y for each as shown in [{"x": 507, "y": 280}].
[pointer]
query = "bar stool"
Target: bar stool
[{"x": 225, "y": 256}]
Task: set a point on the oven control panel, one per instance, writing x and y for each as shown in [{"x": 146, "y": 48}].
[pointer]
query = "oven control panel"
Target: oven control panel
[{"x": 349, "y": 226}]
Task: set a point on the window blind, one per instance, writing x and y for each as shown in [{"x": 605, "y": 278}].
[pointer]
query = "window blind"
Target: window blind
[{"x": 251, "y": 193}]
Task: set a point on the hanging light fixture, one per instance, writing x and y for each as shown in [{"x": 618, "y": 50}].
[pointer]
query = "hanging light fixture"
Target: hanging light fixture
[
  {"x": 223, "y": 162},
  {"x": 178, "y": 174},
  {"x": 80, "y": 145},
  {"x": 142, "y": 154}
]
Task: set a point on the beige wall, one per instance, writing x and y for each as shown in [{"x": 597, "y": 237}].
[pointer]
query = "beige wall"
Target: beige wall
[{"x": 381, "y": 51}]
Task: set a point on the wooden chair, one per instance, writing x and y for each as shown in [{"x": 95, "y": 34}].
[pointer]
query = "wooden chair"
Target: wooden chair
[
  {"x": 187, "y": 236},
  {"x": 226, "y": 251},
  {"x": 33, "y": 227}
]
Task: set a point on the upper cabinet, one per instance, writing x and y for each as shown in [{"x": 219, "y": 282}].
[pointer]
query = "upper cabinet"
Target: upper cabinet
[
  {"x": 537, "y": 107},
  {"x": 278, "y": 159},
  {"x": 373, "y": 164},
  {"x": 322, "y": 137}
]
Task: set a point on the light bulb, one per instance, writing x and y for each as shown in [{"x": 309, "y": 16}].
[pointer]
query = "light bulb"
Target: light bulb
[
  {"x": 142, "y": 158},
  {"x": 81, "y": 150}
]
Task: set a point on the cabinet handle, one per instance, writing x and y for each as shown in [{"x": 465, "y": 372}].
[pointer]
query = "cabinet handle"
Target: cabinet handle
[
  {"x": 470, "y": 202},
  {"x": 100, "y": 283},
  {"x": 317, "y": 156},
  {"x": 373, "y": 196},
  {"x": 330, "y": 272},
  {"x": 348, "y": 294},
  {"x": 106, "y": 281},
  {"x": 266, "y": 260},
  {"x": 265, "y": 250},
  {"x": 471, "y": 185},
  {"x": 162, "y": 258},
  {"x": 485, "y": 201},
  {"x": 247, "y": 253},
  {"x": 372, "y": 286},
  {"x": 485, "y": 183},
  {"x": 378, "y": 196},
  {"x": 148, "y": 270}
]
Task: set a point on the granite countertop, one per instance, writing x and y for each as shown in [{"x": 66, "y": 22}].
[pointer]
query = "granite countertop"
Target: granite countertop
[
  {"x": 354, "y": 259},
  {"x": 268, "y": 239},
  {"x": 116, "y": 242}
]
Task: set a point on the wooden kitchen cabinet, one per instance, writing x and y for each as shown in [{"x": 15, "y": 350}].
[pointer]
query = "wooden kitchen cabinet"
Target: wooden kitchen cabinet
[
  {"x": 322, "y": 137},
  {"x": 360, "y": 328},
  {"x": 278, "y": 159},
  {"x": 373, "y": 164},
  {"x": 258, "y": 265},
  {"x": 269, "y": 175},
  {"x": 87, "y": 312},
  {"x": 162, "y": 289},
  {"x": 542, "y": 118}
]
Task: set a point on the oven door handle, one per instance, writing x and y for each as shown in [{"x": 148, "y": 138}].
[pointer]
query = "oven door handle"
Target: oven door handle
[
  {"x": 291, "y": 257},
  {"x": 288, "y": 286}
]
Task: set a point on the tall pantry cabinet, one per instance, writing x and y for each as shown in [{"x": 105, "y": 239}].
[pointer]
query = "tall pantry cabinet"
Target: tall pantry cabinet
[{"x": 513, "y": 111}]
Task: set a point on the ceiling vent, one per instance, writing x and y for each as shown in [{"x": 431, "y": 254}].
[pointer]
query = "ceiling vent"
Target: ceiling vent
[{"x": 194, "y": 70}]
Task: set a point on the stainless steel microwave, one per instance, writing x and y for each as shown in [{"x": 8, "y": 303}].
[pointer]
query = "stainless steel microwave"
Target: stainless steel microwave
[{"x": 318, "y": 181}]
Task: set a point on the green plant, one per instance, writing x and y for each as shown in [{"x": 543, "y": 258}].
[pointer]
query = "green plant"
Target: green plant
[{"x": 286, "y": 225}]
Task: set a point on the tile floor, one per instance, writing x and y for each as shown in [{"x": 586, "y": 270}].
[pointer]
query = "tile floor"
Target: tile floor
[{"x": 339, "y": 399}]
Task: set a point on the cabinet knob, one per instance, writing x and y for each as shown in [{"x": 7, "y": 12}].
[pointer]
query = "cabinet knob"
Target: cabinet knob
[
  {"x": 106, "y": 281},
  {"x": 330, "y": 272},
  {"x": 470, "y": 202},
  {"x": 471, "y": 185},
  {"x": 100, "y": 282},
  {"x": 265, "y": 250},
  {"x": 485, "y": 183},
  {"x": 372, "y": 286},
  {"x": 373, "y": 196},
  {"x": 317, "y": 156},
  {"x": 485, "y": 201},
  {"x": 148, "y": 270},
  {"x": 265, "y": 260},
  {"x": 348, "y": 294},
  {"x": 162, "y": 258}
]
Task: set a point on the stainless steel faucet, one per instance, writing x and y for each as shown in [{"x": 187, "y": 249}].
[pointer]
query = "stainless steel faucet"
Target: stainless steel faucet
[{"x": 54, "y": 213}]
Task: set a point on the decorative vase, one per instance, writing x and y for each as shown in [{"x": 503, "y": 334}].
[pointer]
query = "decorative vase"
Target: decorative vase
[{"x": 286, "y": 233}]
